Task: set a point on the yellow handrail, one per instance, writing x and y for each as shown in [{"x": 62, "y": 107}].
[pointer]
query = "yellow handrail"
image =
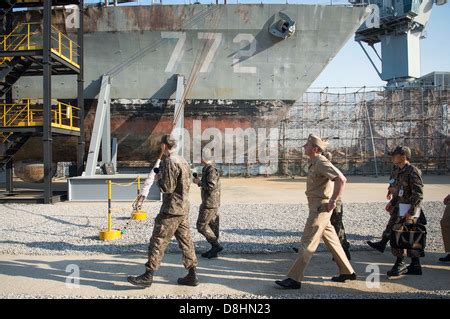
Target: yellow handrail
[
  {"x": 18, "y": 34},
  {"x": 21, "y": 114},
  {"x": 18, "y": 113},
  {"x": 5, "y": 37},
  {"x": 65, "y": 47},
  {"x": 14, "y": 115}
]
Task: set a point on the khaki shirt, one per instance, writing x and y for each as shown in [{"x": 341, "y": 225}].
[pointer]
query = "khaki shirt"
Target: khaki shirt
[{"x": 319, "y": 184}]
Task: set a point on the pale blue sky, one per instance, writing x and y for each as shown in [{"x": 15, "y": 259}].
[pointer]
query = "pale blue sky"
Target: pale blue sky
[{"x": 351, "y": 68}]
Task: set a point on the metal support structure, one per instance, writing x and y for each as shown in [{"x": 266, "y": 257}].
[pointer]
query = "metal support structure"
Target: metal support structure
[
  {"x": 43, "y": 62},
  {"x": 80, "y": 92},
  {"x": 9, "y": 176},
  {"x": 101, "y": 132},
  {"x": 178, "y": 120},
  {"x": 9, "y": 99},
  {"x": 114, "y": 146},
  {"x": 47, "y": 80},
  {"x": 106, "y": 134},
  {"x": 370, "y": 58}
]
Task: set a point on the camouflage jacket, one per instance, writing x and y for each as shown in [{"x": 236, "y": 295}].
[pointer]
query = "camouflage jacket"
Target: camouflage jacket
[
  {"x": 174, "y": 183},
  {"x": 210, "y": 184},
  {"x": 406, "y": 186}
]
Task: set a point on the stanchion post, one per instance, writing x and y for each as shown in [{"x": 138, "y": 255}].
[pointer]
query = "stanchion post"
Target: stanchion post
[
  {"x": 109, "y": 233},
  {"x": 138, "y": 185},
  {"x": 109, "y": 206},
  {"x": 139, "y": 214}
]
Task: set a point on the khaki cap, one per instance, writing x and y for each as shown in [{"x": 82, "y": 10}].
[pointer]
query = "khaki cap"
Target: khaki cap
[{"x": 317, "y": 141}]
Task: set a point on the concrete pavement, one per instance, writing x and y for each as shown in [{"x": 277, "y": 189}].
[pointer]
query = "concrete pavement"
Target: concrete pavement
[{"x": 231, "y": 276}]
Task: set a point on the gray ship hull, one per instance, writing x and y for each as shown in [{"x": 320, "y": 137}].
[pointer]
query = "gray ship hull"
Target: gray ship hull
[
  {"x": 238, "y": 74},
  {"x": 224, "y": 51}
]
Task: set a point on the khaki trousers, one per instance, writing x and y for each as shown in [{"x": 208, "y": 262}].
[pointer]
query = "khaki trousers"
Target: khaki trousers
[
  {"x": 445, "y": 228},
  {"x": 317, "y": 227}
]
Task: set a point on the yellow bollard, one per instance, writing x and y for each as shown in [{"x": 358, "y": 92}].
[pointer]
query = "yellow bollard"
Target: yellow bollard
[
  {"x": 109, "y": 234},
  {"x": 139, "y": 214}
]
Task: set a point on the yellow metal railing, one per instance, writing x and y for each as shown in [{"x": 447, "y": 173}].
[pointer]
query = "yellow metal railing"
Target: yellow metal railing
[
  {"x": 20, "y": 39},
  {"x": 28, "y": 36},
  {"x": 64, "y": 47},
  {"x": 26, "y": 113}
]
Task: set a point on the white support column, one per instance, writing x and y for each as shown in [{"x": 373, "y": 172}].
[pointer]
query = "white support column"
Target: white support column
[
  {"x": 98, "y": 131},
  {"x": 114, "y": 152},
  {"x": 178, "y": 121},
  {"x": 106, "y": 135}
]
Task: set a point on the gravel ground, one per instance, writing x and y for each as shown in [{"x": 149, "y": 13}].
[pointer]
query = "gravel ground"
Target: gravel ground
[
  {"x": 72, "y": 228},
  {"x": 424, "y": 295}
]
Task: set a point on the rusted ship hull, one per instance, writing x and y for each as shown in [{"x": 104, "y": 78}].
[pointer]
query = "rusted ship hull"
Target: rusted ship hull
[{"x": 238, "y": 74}]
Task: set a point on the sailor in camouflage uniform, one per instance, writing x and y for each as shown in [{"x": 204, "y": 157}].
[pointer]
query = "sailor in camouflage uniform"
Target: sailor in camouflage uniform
[
  {"x": 208, "y": 216},
  {"x": 172, "y": 220},
  {"x": 336, "y": 219},
  {"x": 407, "y": 189},
  {"x": 381, "y": 245}
]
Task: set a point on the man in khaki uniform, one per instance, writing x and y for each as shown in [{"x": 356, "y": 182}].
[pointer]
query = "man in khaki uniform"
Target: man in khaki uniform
[
  {"x": 172, "y": 220},
  {"x": 336, "y": 220},
  {"x": 445, "y": 228},
  {"x": 322, "y": 198}
]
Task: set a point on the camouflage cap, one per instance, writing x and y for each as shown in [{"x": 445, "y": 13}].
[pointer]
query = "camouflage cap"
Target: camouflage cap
[
  {"x": 401, "y": 150},
  {"x": 317, "y": 141},
  {"x": 168, "y": 140}
]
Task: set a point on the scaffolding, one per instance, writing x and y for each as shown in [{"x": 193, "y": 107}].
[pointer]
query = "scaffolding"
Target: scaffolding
[
  {"x": 363, "y": 124},
  {"x": 43, "y": 51}
]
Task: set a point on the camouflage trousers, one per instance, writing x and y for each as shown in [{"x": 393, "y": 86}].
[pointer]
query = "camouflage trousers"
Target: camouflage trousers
[
  {"x": 386, "y": 236},
  {"x": 167, "y": 226},
  {"x": 445, "y": 228},
  {"x": 336, "y": 221},
  {"x": 413, "y": 253},
  {"x": 208, "y": 224}
]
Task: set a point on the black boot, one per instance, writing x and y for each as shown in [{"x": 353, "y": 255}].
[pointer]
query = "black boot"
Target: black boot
[
  {"x": 445, "y": 259},
  {"x": 379, "y": 245},
  {"x": 398, "y": 269},
  {"x": 414, "y": 268},
  {"x": 347, "y": 253},
  {"x": 213, "y": 253},
  {"x": 289, "y": 283},
  {"x": 343, "y": 278},
  {"x": 190, "y": 279},
  {"x": 206, "y": 253},
  {"x": 145, "y": 280}
]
